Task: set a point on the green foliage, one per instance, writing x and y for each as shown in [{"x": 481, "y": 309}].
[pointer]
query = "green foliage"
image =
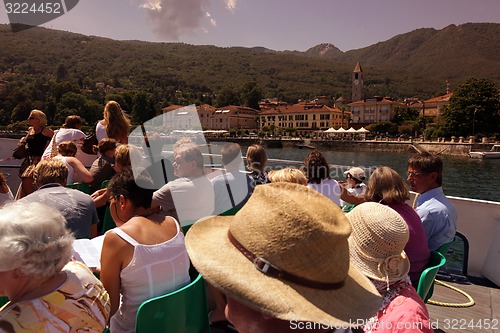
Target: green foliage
[
  {"x": 403, "y": 114},
  {"x": 383, "y": 127},
  {"x": 474, "y": 108},
  {"x": 176, "y": 73},
  {"x": 251, "y": 95}
]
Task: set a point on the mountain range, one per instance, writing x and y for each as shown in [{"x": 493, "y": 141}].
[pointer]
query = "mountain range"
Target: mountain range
[{"x": 417, "y": 63}]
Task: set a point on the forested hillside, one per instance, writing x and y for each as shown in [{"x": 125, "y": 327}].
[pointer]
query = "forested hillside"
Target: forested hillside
[{"x": 57, "y": 71}]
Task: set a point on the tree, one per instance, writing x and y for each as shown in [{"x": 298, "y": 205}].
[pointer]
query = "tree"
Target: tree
[
  {"x": 62, "y": 73},
  {"x": 142, "y": 110},
  {"x": 227, "y": 97},
  {"x": 250, "y": 95},
  {"x": 474, "y": 108},
  {"x": 403, "y": 114}
]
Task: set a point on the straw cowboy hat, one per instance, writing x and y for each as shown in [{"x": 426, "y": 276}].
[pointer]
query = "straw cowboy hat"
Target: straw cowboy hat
[
  {"x": 285, "y": 254},
  {"x": 379, "y": 235}
]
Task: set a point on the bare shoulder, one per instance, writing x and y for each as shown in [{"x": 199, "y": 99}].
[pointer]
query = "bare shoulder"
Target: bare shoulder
[{"x": 47, "y": 131}]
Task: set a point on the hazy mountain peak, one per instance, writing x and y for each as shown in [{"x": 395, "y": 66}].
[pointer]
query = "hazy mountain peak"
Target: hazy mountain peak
[{"x": 325, "y": 50}]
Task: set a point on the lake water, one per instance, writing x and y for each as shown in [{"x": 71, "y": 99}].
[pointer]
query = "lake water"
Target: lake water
[{"x": 462, "y": 176}]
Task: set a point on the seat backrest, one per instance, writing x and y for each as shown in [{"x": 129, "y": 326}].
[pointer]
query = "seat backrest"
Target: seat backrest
[
  {"x": 184, "y": 310},
  {"x": 105, "y": 183},
  {"x": 426, "y": 283},
  {"x": 107, "y": 221},
  {"x": 84, "y": 187},
  {"x": 443, "y": 249},
  {"x": 3, "y": 300}
]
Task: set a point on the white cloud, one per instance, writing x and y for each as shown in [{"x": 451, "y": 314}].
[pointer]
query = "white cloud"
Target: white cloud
[
  {"x": 231, "y": 5},
  {"x": 173, "y": 18}
]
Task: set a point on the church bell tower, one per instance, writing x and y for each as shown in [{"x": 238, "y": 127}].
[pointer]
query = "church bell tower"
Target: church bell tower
[{"x": 357, "y": 83}]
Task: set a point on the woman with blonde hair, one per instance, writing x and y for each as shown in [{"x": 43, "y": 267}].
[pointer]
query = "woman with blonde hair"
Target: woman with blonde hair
[
  {"x": 115, "y": 125},
  {"x": 36, "y": 140},
  {"x": 289, "y": 175}
]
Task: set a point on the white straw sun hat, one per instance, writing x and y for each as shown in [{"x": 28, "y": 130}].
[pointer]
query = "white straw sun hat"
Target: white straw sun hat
[
  {"x": 376, "y": 245},
  {"x": 285, "y": 254}
]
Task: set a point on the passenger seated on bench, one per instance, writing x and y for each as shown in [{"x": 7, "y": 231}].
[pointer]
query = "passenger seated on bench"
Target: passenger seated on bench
[
  {"x": 283, "y": 263},
  {"x": 376, "y": 248},
  {"x": 387, "y": 187},
  {"x": 438, "y": 214},
  {"x": 144, "y": 256}
]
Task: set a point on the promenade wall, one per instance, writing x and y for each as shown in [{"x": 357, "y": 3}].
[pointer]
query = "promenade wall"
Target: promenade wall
[{"x": 440, "y": 148}]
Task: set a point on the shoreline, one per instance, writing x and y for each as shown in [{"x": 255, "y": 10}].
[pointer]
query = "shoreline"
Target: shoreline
[{"x": 460, "y": 149}]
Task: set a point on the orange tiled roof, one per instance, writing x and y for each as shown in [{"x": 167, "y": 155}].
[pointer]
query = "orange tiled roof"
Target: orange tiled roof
[
  {"x": 443, "y": 98},
  {"x": 299, "y": 108}
]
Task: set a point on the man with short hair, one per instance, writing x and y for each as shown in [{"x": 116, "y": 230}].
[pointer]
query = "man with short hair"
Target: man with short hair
[
  {"x": 438, "y": 214},
  {"x": 191, "y": 196},
  {"x": 77, "y": 207}
]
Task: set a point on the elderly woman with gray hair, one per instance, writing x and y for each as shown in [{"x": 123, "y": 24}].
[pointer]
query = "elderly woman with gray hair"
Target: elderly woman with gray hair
[{"x": 47, "y": 291}]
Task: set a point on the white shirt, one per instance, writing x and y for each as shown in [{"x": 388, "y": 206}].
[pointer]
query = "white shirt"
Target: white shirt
[{"x": 61, "y": 135}]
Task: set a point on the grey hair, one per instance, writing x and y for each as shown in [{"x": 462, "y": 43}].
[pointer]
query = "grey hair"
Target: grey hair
[{"x": 34, "y": 238}]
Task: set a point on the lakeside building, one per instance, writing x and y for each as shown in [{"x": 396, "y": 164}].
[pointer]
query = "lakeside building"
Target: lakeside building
[
  {"x": 373, "y": 110},
  {"x": 432, "y": 108},
  {"x": 304, "y": 117},
  {"x": 224, "y": 118},
  {"x": 234, "y": 116}
]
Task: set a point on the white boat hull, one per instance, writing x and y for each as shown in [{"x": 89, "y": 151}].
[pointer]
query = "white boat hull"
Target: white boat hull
[{"x": 484, "y": 155}]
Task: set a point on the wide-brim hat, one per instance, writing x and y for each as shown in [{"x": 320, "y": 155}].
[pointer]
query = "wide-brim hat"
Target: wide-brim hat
[
  {"x": 356, "y": 173},
  {"x": 376, "y": 245},
  {"x": 302, "y": 271}
]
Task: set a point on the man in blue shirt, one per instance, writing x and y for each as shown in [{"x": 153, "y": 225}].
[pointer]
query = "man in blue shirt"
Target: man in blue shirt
[{"x": 439, "y": 216}]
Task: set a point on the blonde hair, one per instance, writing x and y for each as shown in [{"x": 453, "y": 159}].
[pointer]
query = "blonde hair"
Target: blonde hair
[
  {"x": 289, "y": 175},
  {"x": 40, "y": 116},
  {"x": 51, "y": 171},
  {"x": 125, "y": 154},
  {"x": 386, "y": 185},
  {"x": 117, "y": 121}
]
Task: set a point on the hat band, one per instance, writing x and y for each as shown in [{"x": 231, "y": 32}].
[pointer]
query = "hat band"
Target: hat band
[{"x": 267, "y": 268}]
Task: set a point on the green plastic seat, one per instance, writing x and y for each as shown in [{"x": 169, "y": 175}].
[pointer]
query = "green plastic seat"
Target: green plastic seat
[
  {"x": 181, "y": 311},
  {"x": 3, "y": 300},
  {"x": 231, "y": 211},
  {"x": 426, "y": 282},
  {"x": 108, "y": 222},
  {"x": 443, "y": 249},
  {"x": 84, "y": 187}
]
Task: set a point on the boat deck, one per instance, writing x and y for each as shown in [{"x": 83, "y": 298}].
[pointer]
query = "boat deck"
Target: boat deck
[{"x": 484, "y": 316}]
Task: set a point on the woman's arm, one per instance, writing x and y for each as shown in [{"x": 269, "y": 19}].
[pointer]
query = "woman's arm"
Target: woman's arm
[
  {"x": 351, "y": 198},
  {"x": 80, "y": 169},
  {"x": 111, "y": 266}
]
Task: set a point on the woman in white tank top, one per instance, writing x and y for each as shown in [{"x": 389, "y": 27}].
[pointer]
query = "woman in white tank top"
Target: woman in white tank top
[{"x": 144, "y": 256}]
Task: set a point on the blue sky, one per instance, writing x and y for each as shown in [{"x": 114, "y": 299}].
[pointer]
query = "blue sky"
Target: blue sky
[{"x": 275, "y": 24}]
